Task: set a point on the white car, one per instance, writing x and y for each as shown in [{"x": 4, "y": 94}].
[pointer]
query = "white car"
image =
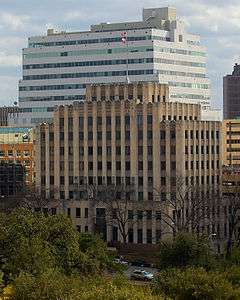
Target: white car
[
  {"x": 120, "y": 261},
  {"x": 142, "y": 275}
]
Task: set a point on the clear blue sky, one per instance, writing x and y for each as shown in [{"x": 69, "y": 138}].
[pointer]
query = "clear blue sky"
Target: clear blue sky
[{"x": 218, "y": 23}]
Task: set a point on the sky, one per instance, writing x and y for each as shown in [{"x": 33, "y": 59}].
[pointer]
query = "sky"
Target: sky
[{"x": 217, "y": 21}]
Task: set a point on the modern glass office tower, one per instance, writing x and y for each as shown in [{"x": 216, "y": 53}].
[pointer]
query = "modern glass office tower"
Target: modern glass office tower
[{"x": 57, "y": 66}]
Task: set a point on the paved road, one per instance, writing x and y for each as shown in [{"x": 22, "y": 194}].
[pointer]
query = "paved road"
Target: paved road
[{"x": 130, "y": 269}]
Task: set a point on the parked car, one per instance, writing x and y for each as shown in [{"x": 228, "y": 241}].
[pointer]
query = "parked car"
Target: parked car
[
  {"x": 140, "y": 263},
  {"x": 142, "y": 275},
  {"x": 120, "y": 261}
]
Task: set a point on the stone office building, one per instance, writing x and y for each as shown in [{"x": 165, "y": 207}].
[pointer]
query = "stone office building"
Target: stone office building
[{"x": 131, "y": 135}]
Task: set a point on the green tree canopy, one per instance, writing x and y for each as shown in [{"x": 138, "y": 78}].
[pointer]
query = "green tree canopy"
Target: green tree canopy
[
  {"x": 34, "y": 242},
  {"x": 194, "y": 284},
  {"x": 184, "y": 250}
]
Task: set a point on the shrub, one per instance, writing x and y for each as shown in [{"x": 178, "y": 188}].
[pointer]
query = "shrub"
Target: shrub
[
  {"x": 56, "y": 286},
  {"x": 234, "y": 259},
  {"x": 186, "y": 250},
  {"x": 194, "y": 284},
  {"x": 232, "y": 274},
  {"x": 1, "y": 283},
  {"x": 49, "y": 285}
]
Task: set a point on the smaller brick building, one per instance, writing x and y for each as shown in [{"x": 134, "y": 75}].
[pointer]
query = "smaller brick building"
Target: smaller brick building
[
  {"x": 12, "y": 179},
  {"x": 16, "y": 147}
]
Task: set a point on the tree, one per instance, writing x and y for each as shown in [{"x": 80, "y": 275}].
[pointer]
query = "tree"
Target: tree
[
  {"x": 185, "y": 250},
  {"x": 232, "y": 206},
  {"x": 28, "y": 198},
  {"x": 34, "y": 242},
  {"x": 186, "y": 206},
  {"x": 119, "y": 203},
  {"x": 194, "y": 284}
]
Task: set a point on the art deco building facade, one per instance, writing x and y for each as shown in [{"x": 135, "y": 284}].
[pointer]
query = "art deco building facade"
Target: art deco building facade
[{"x": 131, "y": 135}]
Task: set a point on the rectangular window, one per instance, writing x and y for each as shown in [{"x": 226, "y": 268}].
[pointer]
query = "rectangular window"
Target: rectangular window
[
  {"x": 149, "y": 236},
  {"x": 90, "y": 135},
  {"x": 118, "y": 135},
  {"x": 69, "y": 211},
  {"x": 90, "y": 121},
  {"x": 118, "y": 121},
  {"x": 118, "y": 150},
  {"x": 109, "y": 135},
  {"x": 150, "y": 165},
  {"x": 90, "y": 165},
  {"x": 140, "y": 181},
  {"x": 149, "y": 134},
  {"x": 109, "y": 165},
  {"x": 127, "y": 120},
  {"x": 62, "y": 180},
  {"x": 140, "y": 134},
  {"x": 150, "y": 150},
  {"x": 139, "y": 236},
  {"x": 158, "y": 215},
  {"x": 90, "y": 150},
  {"x": 99, "y": 121},
  {"x": 162, "y": 135},
  {"x": 127, "y": 150},
  {"x": 99, "y": 135},
  {"x": 127, "y": 165},
  {"x": 108, "y": 121},
  {"x": 99, "y": 150},
  {"x": 81, "y": 123},
  {"x": 78, "y": 212},
  {"x": 109, "y": 151},
  {"x": 140, "y": 214},
  {"x": 81, "y": 136},
  {"x": 140, "y": 165},
  {"x": 163, "y": 180},
  {"x": 172, "y": 134},
  {"x": 140, "y": 150},
  {"x": 127, "y": 135},
  {"x": 149, "y": 119},
  {"x": 139, "y": 120},
  {"x": 118, "y": 165},
  {"x": 162, "y": 150},
  {"x": 149, "y": 215},
  {"x": 163, "y": 165},
  {"x": 130, "y": 214},
  {"x": 140, "y": 196}
]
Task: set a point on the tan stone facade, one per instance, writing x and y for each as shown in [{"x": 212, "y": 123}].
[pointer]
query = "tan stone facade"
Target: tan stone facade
[
  {"x": 231, "y": 142},
  {"x": 127, "y": 134}
]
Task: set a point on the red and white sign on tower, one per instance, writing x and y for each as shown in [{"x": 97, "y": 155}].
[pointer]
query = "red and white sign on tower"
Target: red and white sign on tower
[{"x": 124, "y": 37}]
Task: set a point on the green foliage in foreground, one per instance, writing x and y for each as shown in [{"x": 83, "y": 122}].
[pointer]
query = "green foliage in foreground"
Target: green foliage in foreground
[
  {"x": 186, "y": 250},
  {"x": 178, "y": 284},
  {"x": 1, "y": 282},
  {"x": 33, "y": 243},
  {"x": 198, "y": 284},
  {"x": 57, "y": 286}
]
